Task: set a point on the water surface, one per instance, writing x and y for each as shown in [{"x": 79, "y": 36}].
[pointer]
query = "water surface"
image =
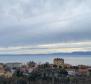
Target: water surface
[{"x": 73, "y": 59}]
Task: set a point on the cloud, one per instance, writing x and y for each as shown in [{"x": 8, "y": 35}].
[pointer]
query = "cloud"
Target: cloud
[
  {"x": 47, "y": 48},
  {"x": 32, "y": 22}
]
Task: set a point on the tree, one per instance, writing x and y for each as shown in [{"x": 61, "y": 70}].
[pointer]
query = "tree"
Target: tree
[
  {"x": 18, "y": 73},
  {"x": 34, "y": 75},
  {"x": 55, "y": 66},
  {"x": 63, "y": 72},
  {"x": 31, "y": 64},
  {"x": 46, "y": 65}
]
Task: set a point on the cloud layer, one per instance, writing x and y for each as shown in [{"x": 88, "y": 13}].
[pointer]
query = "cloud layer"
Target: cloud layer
[{"x": 40, "y": 22}]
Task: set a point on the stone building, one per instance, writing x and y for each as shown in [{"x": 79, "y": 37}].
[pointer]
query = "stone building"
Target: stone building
[{"x": 59, "y": 62}]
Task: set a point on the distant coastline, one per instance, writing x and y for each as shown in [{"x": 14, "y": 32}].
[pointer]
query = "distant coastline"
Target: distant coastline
[{"x": 61, "y": 53}]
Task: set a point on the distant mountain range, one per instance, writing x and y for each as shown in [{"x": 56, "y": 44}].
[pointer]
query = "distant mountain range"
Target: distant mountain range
[
  {"x": 61, "y": 53},
  {"x": 75, "y": 53}
]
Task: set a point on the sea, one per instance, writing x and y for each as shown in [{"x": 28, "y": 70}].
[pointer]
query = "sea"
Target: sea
[{"x": 69, "y": 59}]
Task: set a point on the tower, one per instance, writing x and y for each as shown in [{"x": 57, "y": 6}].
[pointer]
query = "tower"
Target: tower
[{"x": 59, "y": 62}]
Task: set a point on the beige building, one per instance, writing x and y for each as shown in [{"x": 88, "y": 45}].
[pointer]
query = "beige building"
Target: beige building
[
  {"x": 8, "y": 74},
  {"x": 67, "y": 66},
  {"x": 1, "y": 65},
  {"x": 59, "y": 62}
]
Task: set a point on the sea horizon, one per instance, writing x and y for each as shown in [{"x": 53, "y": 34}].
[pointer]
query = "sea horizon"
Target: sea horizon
[{"x": 69, "y": 59}]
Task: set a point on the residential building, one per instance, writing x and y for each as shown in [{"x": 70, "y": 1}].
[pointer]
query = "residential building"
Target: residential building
[{"x": 13, "y": 65}]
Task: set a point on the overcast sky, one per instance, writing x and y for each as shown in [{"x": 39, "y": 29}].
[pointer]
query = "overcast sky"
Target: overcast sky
[{"x": 45, "y": 26}]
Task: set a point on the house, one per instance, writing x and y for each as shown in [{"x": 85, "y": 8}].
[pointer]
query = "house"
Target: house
[
  {"x": 67, "y": 66},
  {"x": 89, "y": 72},
  {"x": 2, "y": 71},
  {"x": 1, "y": 65},
  {"x": 83, "y": 71},
  {"x": 71, "y": 72},
  {"x": 8, "y": 74}
]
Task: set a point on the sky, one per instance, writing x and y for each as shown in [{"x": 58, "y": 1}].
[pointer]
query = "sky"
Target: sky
[{"x": 44, "y": 26}]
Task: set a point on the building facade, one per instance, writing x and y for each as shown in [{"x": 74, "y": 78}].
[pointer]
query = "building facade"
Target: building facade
[
  {"x": 14, "y": 65},
  {"x": 59, "y": 62}
]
